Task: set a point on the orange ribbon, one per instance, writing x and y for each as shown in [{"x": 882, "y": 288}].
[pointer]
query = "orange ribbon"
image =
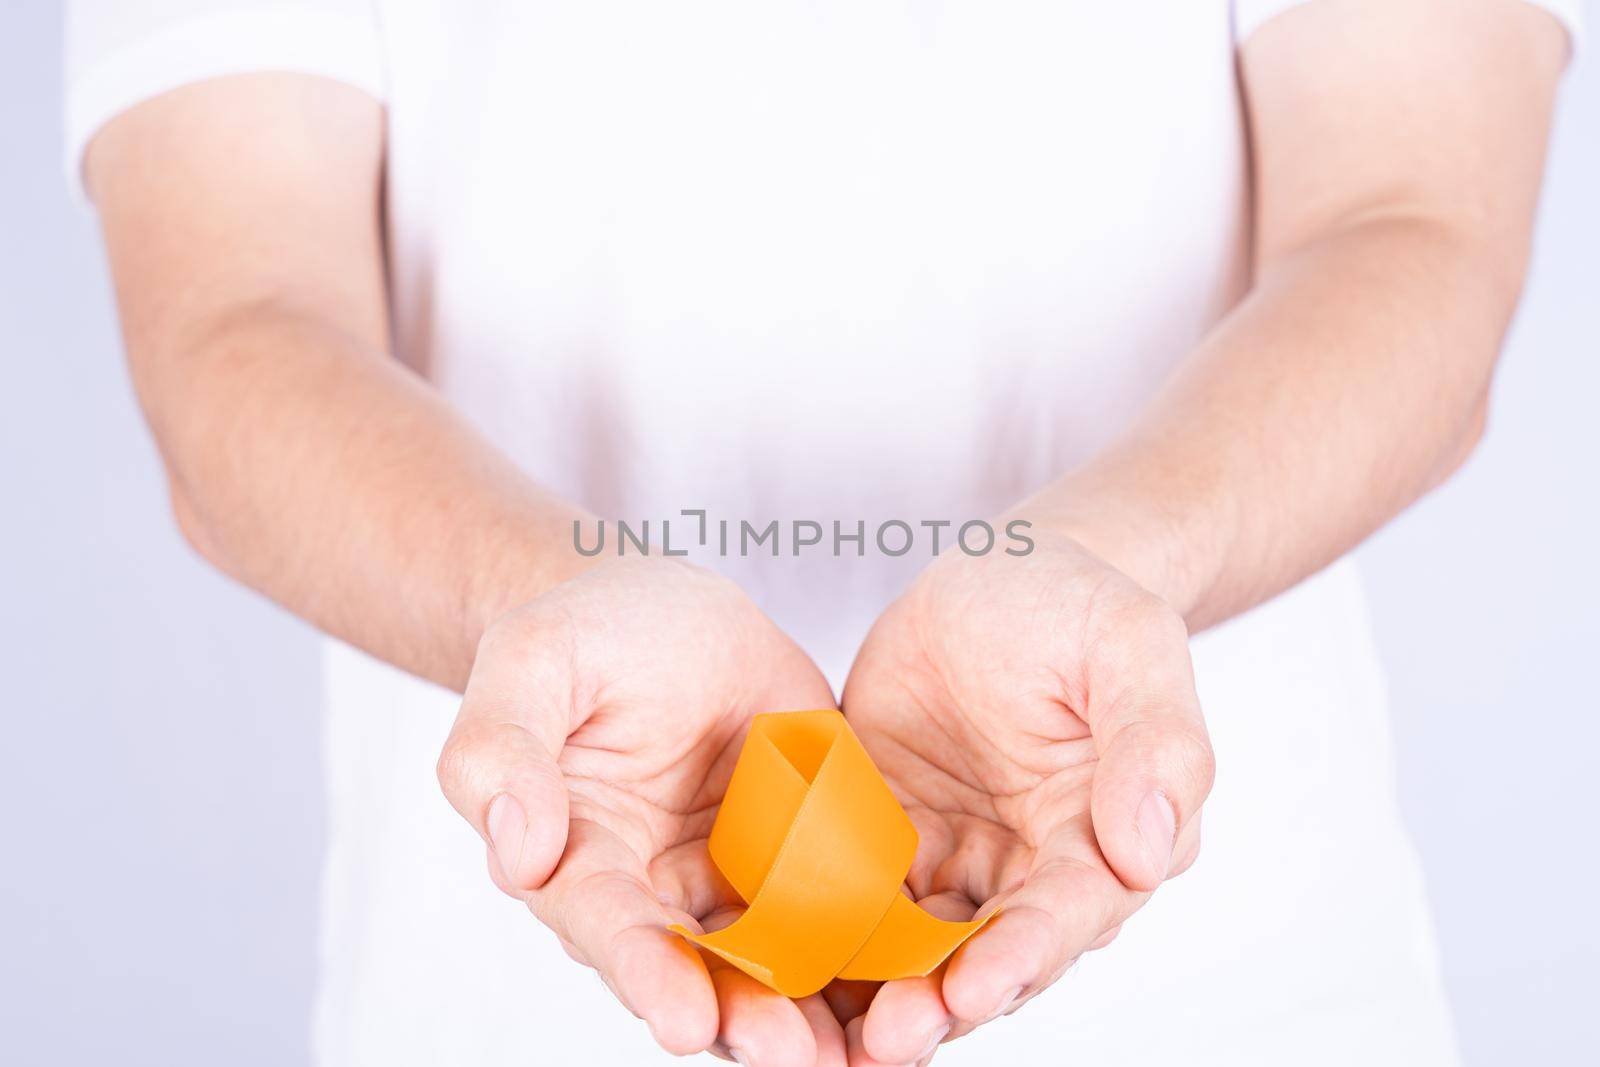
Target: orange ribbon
[{"x": 816, "y": 845}]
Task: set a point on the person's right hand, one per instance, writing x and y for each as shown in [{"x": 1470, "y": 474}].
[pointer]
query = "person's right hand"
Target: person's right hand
[{"x": 596, "y": 737}]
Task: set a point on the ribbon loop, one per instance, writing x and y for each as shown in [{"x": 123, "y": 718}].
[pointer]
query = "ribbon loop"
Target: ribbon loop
[{"x": 813, "y": 841}]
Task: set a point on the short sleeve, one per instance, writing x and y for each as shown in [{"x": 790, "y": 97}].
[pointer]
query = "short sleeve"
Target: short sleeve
[
  {"x": 121, "y": 52},
  {"x": 1248, "y": 15}
]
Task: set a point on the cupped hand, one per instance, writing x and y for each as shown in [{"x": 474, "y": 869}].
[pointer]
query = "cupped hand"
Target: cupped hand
[
  {"x": 1037, "y": 717},
  {"x": 597, "y": 734}
]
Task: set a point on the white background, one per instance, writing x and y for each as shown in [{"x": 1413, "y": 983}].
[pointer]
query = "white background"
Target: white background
[{"x": 159, "y": 826}]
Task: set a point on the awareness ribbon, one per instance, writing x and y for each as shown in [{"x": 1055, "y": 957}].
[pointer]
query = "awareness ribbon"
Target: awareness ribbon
[{"x": 816, "y": 845}]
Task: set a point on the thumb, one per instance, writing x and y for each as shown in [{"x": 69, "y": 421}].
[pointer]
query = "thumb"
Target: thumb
[
  {"x": 498, "y": 770},
  {"x": 1155, "y": 769},
  {"x": 505, "y": 783}
]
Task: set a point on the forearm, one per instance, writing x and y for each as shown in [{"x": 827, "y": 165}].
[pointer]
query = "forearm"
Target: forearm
[
  {"x": 338, "y": 484},
  {"x": 242, "y": 219},
  {"x": 1351, "y": 381}
]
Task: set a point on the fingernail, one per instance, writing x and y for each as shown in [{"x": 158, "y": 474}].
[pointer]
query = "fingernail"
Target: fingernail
[
  {"x": 933, "y": 1043},
  {"x": 508, "y": 825},
  {"x": 1157, "y": 828},
  {"x": 1008, "y": 998},
  {"x": 738, "y": 1057}
]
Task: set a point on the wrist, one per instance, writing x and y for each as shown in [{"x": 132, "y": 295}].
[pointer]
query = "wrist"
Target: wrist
[
  {"x": 519, "y": 564},
  {"x": 1169, "y": 542}
]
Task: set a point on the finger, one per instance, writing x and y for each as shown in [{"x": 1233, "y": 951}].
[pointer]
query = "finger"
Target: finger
[
  {"x": 600, "y": 905},
  {"x": 685, "y": 876},
  {"x": 507, "y": 785},
  {"x": 849, "y": 999},
  {"x": 1105, "y": 939},
  {"x": 856, "y": 1050},
  {"x": 761, "y": 1028},
  {"x": 498, "y": 768},
  {"x": 1059, "y": 911},
  {"x": 908, "y": 1018},
  {"x": 826, "y": 1031},
  {"x": 1155, "y": 763},
  {"x": 1187, "y": 848},
  {"x": 498, "y": 877}
]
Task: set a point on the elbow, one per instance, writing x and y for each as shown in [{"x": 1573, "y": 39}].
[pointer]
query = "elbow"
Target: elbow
[
  {"x": 1506, "y": 268},
  {"x": 1480, "y": 270},
  {"x": 191, "y": 523},
  {"x": 1463, "y": 445},
  {"x": 1493, "y": 274},
  {"x": 1501, "y": 273}
]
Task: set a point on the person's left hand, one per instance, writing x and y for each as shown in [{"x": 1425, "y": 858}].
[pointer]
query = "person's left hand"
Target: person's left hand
[{"x": 1037, "y": 718}]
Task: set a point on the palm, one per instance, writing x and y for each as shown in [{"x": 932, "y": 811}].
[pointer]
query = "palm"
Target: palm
[
  {"x": 647, "y": 765},
  {"x": 985, "y": 810},
  {"x": 641, "y": 802},
  {"x": 991, "y": 696},
  {"x": 614, "y": 707},
  {"x": 992, "y": 766}
]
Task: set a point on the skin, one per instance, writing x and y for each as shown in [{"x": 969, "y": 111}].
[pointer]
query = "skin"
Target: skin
[
  {"x": 1027, "y": 712},
  {"x": 1397, "y": 158},
  {"x": 595, "y": 740}
]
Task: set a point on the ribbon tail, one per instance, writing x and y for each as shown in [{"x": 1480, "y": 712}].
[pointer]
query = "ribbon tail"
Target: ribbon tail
[{"x": 908, "y": 943}]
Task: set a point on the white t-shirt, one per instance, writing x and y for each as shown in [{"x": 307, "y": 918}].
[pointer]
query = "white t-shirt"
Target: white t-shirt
[{"x": 828, "y": 261}]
